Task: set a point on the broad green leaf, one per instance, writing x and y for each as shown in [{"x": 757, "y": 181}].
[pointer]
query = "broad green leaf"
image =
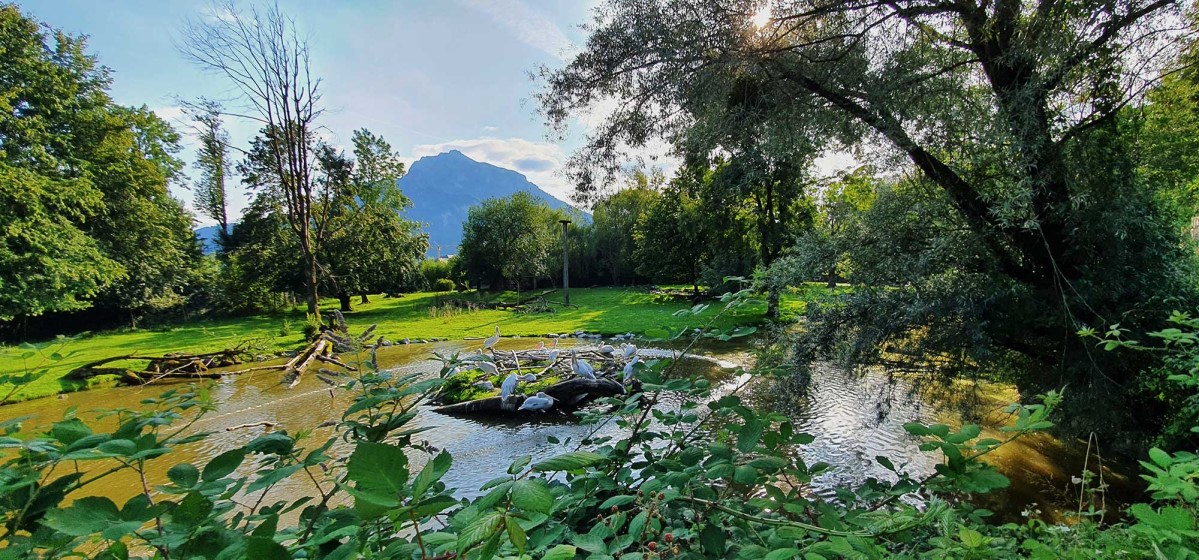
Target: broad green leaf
[
  {"x": 769, "y": 464},
  {"x": 638, "y": 523},
  {"x": 69, "y": 431},
  {"x": 432, "y": 472},
  {"x": 192, "y": 510},
  {"x": 519, "y": 464},
  {"x": 378, "y": 468},
  {"x": 85, "y": 516},
  {"x": 574, "y": 460},
  {"x": 749, "y": 435},
  {"x": 274, "y": 443},
  {"x": 184, "y": 475},
  {"x": 745, "y": 474},
  {"x": 1160, "y": 457},
  {"x": 516, "y": 535},
  {"x": 479, "y": 529},
  {"x": 223, "y": 465},
  {"x": 971, "y": 538},
  {"x": 560, "y": 552},
  {"x": 782, "y": 554},
  {"x": 617, "y": 501},
  {"x": 590, "y": 543},
  {"x": 713, "y": 540},
  {"x": 266, "y": 549},
  {"x": 532, "y": 495},
  {"x": 121, "y": 447}
]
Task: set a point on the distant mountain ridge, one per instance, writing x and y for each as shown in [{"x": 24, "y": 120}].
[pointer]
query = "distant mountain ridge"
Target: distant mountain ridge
[
  {"x": 208, "y": 236},
  {"x": 443, "y": 188}
]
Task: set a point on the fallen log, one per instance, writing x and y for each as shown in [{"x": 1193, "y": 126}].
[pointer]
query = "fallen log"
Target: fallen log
[
  {"x": 293, "y": 372},
  {"x": 171, "y": 363},
  {"x": 568, "y": 396},
  {"x": 336, "y": 362}
]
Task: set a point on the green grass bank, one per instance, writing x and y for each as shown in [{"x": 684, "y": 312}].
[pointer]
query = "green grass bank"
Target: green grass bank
[{"x": 37, "y": 370}]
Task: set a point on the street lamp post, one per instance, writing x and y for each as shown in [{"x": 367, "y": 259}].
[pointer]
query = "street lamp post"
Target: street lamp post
[{"x": 565, "y": 263}]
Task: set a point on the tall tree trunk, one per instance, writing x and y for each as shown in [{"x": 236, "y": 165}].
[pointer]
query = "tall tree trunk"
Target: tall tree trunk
[
  {"x": 346, "y": 302},
  {"x": 311, "y": 289},
  {"x": 832, "y": 276},
  {"x": 364, "y": 300}
]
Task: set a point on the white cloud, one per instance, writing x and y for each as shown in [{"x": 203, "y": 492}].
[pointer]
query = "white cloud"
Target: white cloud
[
  {"x": 530, "y": 26},
  {"x": 541, "y": 162},
  {"x": 490, "y": 128}
]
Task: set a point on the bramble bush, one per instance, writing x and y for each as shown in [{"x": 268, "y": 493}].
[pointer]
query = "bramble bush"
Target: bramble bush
[{"x": 712, "y": 478}]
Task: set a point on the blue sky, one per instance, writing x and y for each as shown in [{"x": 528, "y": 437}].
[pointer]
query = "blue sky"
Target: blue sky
[{"x": 428, "y": 75}]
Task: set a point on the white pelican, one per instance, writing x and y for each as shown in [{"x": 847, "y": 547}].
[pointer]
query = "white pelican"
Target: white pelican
[
  {"x": 491, "y": 340},
  {"x": 484, "y": 385},
  {"x": 453, "y": 371},
  {"x": 540, "y": 346},
  {"x": 540, "y": 402},
  {"x": 581, "y": 367},
  {"x": 508, "y": 387},
  {"x": 528, "y": 378},
  {"x": 606, "y": 349},
  {"x": 488, "y": 368},
  {"x": 629, "y": 350},
  {"x": 628, "y": 369},
  {"x": 553, "y": 353}
]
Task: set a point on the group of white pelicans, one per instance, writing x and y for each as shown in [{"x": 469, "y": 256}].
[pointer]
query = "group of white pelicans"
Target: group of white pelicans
[{"x": 542, "y": 401}]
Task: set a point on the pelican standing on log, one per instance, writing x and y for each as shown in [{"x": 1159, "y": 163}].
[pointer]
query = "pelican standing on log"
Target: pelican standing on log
[
  {"x": 581, "y": 367},
  {"x": 508, "y": 387},
  {"x": 628, "y": 369},
  {"x": 490, "y": 341},
  {"x": 488, "y": 368},
  {"x": 629, "y": 350},
  {"x": 553, "y": 353}
]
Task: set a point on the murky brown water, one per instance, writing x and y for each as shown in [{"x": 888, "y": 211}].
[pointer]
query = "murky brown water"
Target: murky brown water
[{"x": 854, "y": 418}]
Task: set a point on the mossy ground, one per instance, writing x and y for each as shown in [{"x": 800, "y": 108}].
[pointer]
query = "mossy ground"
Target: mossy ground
[{"x": 38, "y": 370}]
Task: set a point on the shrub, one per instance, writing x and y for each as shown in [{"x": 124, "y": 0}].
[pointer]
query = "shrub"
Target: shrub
[
  {"x": 431, "y": 271},
  {"x": 312, "y": 327},
  {"x": 443, "y": 285}
]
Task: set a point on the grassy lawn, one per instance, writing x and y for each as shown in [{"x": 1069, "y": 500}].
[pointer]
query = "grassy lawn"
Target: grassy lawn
[{"x": 38, "y": 371}]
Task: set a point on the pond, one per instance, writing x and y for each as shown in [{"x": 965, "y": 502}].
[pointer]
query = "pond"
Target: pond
[{"x": 854, "y": 416}]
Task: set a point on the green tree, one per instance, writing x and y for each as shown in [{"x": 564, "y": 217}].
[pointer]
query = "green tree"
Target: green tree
[
  {"x": 508, "y": 240},
  {"x": 840, "y": 210},
  {"x": 372, "y": 247},
  {"x": 614, "y": 218},
  {"x": 1010, "y": 110},
  {"x": 671, "y": 241},
  {"x": 47, "y": 263},
  {"x": 59, "y": 124},
  {"x": 213, "y": 163},
  {"x": 142, "y": 226},
  {"x": 264, "y": 266}
]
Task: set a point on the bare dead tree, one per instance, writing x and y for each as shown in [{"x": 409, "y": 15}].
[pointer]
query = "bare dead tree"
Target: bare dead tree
[{"x": 266, "y": 58}]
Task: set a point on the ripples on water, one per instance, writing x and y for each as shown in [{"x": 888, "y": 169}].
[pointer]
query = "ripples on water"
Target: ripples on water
[{"x": 854, "y": 418}]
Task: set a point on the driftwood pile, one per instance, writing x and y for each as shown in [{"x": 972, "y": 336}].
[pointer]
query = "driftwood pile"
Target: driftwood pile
[
  {"x": 176, "y": 365},
  {"x": 172, "y": 365},
  {"x": 569, "y": 395}
]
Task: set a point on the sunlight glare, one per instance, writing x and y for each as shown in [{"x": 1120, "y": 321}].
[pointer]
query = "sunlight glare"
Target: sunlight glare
[{"x": 762, "y": 17}]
